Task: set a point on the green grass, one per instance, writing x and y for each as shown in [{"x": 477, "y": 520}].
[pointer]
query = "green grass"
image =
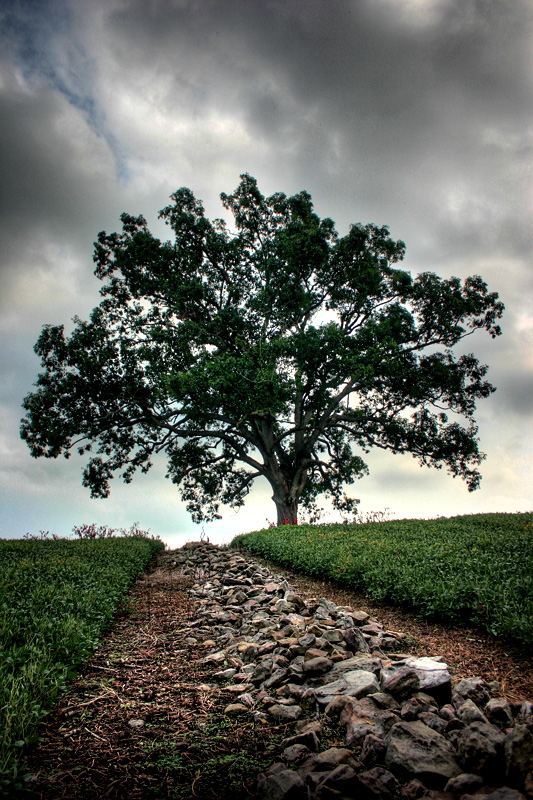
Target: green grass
[
  {"x": 474, "y": 569},
  {"x": 56, "y": 599}
]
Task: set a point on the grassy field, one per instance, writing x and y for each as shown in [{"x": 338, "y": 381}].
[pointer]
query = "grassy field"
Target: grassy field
[
  {"x": 56, "y": 599},
  {"x": 476, "y": 569}
]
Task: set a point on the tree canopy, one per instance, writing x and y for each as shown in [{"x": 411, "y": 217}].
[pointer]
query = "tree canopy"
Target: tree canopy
[{"x": 279, "y": 349}]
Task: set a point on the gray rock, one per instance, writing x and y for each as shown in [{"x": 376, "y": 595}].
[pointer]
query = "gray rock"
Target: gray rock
[
  {"x": 276, "y": 679},
  {"x": 336, "y": 706},
  {"x": 465, "y": 783},
  {"x": 414, "y": 750},
  {"x": 498, "y": 712},
  {"x": 334, "y": 636},
  {"x": 360, "y": 661},
  {"x": 337, "y": 783},
  {"x": 469, "y": 713},
  {"x": 362, "y": 717},
  {"x": 505, "y": 793},
  {"x": 356, "y": 683},
  {"x": 329, "y": 605},
  {"x": 433, "y": 676},
  {"x": 384, "y": 700},
  {"x": 283, "y": 785},
  {"x": 285, "y": 713},
  {"x": 525, "y": 714},
  {"x": 295, "y": 753},
  {"x": 329, "y": 760},
  {"x": 356, "y": 640},
  {"x": 480, "y": 748},
  {"x": 414, "y": 706},
  {"x": 265, "y": 632},
  {"x": 376, "y": 784},
  {"x": 308, "y": 739},
  {"x": 473, "y": 689},
  {"x": 433, "y": 721},
  {"x": 401, "y": 683},
  {"x": 316, "y": 666},
  {"x": 373, "y": 751},
  {"x": 518, "y": 749},
  {"x": 307, "y": 640},
  {"x": 235, "y": 708}
]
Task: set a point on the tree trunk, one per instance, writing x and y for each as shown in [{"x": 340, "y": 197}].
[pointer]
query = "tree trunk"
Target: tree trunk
[{"x": 287, "y": 510}]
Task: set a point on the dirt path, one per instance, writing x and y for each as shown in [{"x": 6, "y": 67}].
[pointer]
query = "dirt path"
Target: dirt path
[{"x": 142, "y": 721}]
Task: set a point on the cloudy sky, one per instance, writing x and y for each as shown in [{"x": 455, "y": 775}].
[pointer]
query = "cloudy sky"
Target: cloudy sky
[{"x": 411, "y": 113}]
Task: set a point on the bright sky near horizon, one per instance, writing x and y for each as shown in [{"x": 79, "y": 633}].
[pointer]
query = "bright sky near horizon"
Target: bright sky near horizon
[{"x": 416, "y": 114}]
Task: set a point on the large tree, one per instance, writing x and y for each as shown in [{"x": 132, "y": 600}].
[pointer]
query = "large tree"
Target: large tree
[{"x": 278, "y": 350}]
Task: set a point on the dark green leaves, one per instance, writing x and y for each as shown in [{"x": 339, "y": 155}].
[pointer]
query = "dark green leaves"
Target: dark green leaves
[{"x": 281, "y": 350}]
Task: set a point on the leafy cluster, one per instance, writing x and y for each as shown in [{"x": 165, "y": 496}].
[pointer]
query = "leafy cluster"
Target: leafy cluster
[
  {"x": 281, "y": 350},
  {"x": 474, "y": 569},
  {"x": 57, "y": 596}
]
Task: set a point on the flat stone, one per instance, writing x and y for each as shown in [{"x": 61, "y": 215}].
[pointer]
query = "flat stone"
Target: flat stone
[
  {"x": 329, "y": 759},
  {"x": 355, "y": 683},
  {"x": 465, "y": 783},
  {"x": 360, "y": 661},
  {"x": 416, "y": 751},
  {"x": 333, "y": 635},
  {"x": 505, "y": 793},
  {"x": 296, "y": 620},
  {"x": 285, "y": 713},
  {"x": 238, "y": 688},
  {"x": 225, "y": 674},
  {"x": 317, "y": 666},
  {"x": 360, "y": 682},
  {"x": 307, "y": 739},
  {"x": 433, "y": 678},
  {"x": 235, "y": 708},
  {"x": 277, "y": 677},
  {"x": 213, "y": 658},
  {"x": 315, "y": 652}
]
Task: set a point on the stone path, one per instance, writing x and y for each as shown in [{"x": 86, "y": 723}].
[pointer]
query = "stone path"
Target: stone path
[{"x": 408, "y": 733}]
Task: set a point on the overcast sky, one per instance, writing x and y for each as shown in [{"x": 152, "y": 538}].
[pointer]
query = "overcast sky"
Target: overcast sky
[{"x": 411, "y": 113}]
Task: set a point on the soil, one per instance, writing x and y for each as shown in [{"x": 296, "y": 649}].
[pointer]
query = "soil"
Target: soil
[{"x": 143, "y": 720}]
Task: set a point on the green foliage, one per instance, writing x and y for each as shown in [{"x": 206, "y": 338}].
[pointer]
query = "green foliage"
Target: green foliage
[
  {"x": 282, "y": 351},
  {"x": 56, "y": 598},
  {"x": 474, "y": 569}
]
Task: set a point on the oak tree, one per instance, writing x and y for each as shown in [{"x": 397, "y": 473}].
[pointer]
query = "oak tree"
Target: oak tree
[{"x": 278, "y": 350}]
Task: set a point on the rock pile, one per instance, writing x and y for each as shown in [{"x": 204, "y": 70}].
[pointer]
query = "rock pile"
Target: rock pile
[{"x": 407, "y": 732}]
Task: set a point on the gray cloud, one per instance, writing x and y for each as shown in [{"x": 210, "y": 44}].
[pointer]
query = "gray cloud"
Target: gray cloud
[{"x": 413, "y": 114}]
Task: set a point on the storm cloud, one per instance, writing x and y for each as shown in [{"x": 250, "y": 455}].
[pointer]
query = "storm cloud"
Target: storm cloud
[{"x": 414, "y": 114}]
